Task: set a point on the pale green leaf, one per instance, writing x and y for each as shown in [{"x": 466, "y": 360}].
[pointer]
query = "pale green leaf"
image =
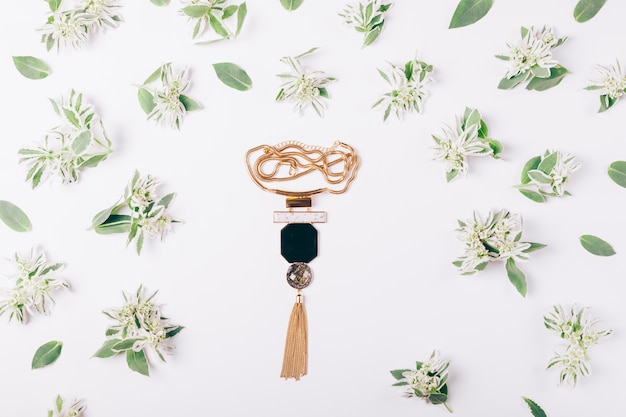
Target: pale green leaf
[
  {"x": 146, "y": 100},
  {"x": 540, "y": 177},
  {"x": 533, "y": 195},
  {"x": 291, "y": 4},
  {"x": 617, "y": 172},
  {"x": 469, "y": 11},
  {"x": 196, "y": 10},
  {"x": 160, "y": 2},
  {"x": 137, "y": 362},
  {"x": 397, "y": 373},
  {"x": 541, "y": 84},
  {"x": 189, "y": 103},
  {"x": 14, "y": 217},
  {"x": 82, "y": 141},
  {"x": 596, "y": 246},
  {"x": 105, "y": 351},
  {"x": 233, "y": 76},
  {"x": 31, "y": 67},
  {"x": 532, "y": 163},
  {"x": 46, "y": 354},
  {"x": 516, "y": 276},
  {"x": 548, "y": 163},
  {"x": 508, "y": 83},
  {"x": 115, "y": 223},
  {"x": 54, "y": 5},
  {"x": 241, "y": 17},
  {"x": 586, "y": 9}
]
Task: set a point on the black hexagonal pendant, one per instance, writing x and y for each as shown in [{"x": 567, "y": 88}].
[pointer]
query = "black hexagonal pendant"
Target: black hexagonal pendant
[{"x": 298, "y": 242}]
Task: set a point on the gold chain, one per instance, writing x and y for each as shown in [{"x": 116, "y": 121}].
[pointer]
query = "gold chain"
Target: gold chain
[{"x": 301, "y": 160}]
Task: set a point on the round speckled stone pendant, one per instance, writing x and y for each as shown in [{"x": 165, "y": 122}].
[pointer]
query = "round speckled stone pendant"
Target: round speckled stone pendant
[{"x": 299, "y": 275}]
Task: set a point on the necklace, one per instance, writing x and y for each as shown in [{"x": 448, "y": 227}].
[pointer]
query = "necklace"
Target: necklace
[{"x": 293, "y": 169}]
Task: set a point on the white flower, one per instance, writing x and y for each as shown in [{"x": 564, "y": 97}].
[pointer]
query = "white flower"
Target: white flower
[
  {"x": 456, "y": 144},
  {"x": 157, "y": 223},
  {"x": 611, "y": 81},
  {"x": 408, "y": 88},
  {"x": 32, "y": 288},
  {"x": 304, "y": 88},
  {"x": 492, "y": 239},
  {"x": 552, "y": 173},
  {"x": 142, "y": 193},
  {"x": 103, "y": 11},
  {"x": 427, "y": 379},
  {"x": 74, "y": 409},
  {"x": 66, "y": 28},
  {"x": 168, "y": 106}
]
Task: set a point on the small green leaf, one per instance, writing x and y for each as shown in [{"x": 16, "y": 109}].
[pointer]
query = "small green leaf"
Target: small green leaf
[
  {"x": 146, "y": 100},
  {"x": 532, "y": 163},
  {"x": 596, "y": 246},
  {"x": 233, "y": 76},
  {"x": 534, "y": 246},
  {"x": 516, "y": 276},
  {"x": 160, "y": 2},
  {"x": 173, "y": 331},
  {"x": 31, "y": 67},
  {"x": 533, "y": 195},
  {"x": 508, "y": 83},
  {"x": 196, "y": 10},
  {"x": 46, "y": 354},
  {"x": 105, "y": 351},
  {"x": 189, "y": 103},
  {"x": 124, "y": 345},
  {"x": 495, "y": 146},
  {"x": 155, "y": 75},
  {"x": 452, "y": 174},
  {"x": 534, "y": 408},
  {"x": 115, "y": 223},
  {"x": 71, "y": 117},
  {"x": 14, "y": 217},
  {"x": 291, "y": 5},
  {"x": 241, "y": 17},
  {"x": 137, "y": 362},
  {"x": 372, "y": 35},
  {"x": 103, "y": 215},
  {"x": 54, "y": 5},
  {"x": 469, "y": 11},
  {"x": 586, "y": 9},
  {"x": 93, "y": 161},
  {"x": 166, "y": 200},
  {"x": 229, "y": 11},
  {"x": 617, "y": 172},
  {"x": 217, "y": 26},
  {"x": 397, "y": 373},
  {"x": 541, "y": 84},
  {"x": 82, "y": 141},
  {"x": 539, "y": 176}
]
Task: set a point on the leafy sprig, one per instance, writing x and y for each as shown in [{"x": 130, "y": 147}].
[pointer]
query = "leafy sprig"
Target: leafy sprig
[
  {"x": 139, "y": 328},
  {"x": 469, "y": 137},
  {"x": 79, "y": 141},
  {"x": 302, "y": 87},
  {"x": 74, "y": 408},
  {"x": 408, "y": 88},
  {"x": 73, "y": 26},
  {"x": 496, "y": 238},
  {"x": 149, "y": 215},
  {"x": 167, "y": 103},
  {"x": 575, "y": 327},
  {"x": 611, "y": 83},
  {"x": 427, "y": 381},
  {"x": 367, "y": 17},
  {"x": 205, "y": 14},
  {"x": 531, "y": 60},
  {"x": 32, "y": 287},
  {"x": 546, "y": 175}
]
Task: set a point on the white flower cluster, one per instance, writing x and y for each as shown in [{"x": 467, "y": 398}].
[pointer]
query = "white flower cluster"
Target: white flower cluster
[
  {"x": 492, "y": 239},
  {"x": 611, "y": 83},
  {"x": 33, "y": 285},
  {"x": 546, "y": 175},
  {"x": 575, "y": 326},
  {"x": 168, "y": 106},
  {"x": 75, "y": 25},
  {"x": 533, "y": 53},
  {"x": 303, "y": 87},
  {"x": 73, "y": 409}
]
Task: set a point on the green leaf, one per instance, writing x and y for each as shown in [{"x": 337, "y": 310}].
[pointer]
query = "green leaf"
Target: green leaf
[
  {"x": 291, "y": 5},
  {"x": 54, "y": 5},
  {"x": 155, "y": 75},
  {"x": 115, "y": 223},
  {"x": 452, "y": 174},
  {"x": 516, "y": 276},
  {"x": 59, "y": 403},
  {"x": 146, "y": 100},
  {"x": 508, "y": 83},
  {"x": 241, "y": 17},
  {"x": 189, "y": 103},
  {"x": 397, "y": 374},
  {"x": 606, "y": 102},
  {"x": 102, "y": 216},
  {"x": 173, "y": 331},
  {"x": 93, "y": 161},
  {"x": 82, "y": 141},
  {"x": 196, "y": 10},
  {"x": 534, "y": 246},
  {"x": 217, "y": 26},
  {"x": 124, "y": 345},
  {"x": 71, "y": 117},
  {"x": 495, "y": 146},
  {"x": 533, "y": 195},
  {"x": 532, "y": 163},
  {"x": 548, "y": 163},
  {"x": 539, "y": 176},
  {"x": 31, "y": 67},
  {"x": 540, "y": 72},
  {"x": 586, "y": 9},
  {"x": 105, "y": 351},
  {"x": 437, "y": 398},
  {"x": 233, "y": 76},
  {"x": 137, "y": 362},
  {"x": 14, "y": 217},
  {"x": 596, "y": 246},
  {"x": 372, "y": 35},
  {"x": 534, "y": 408},
  {"x": 166, "y": 200},
  {"x": 541, "y": 84},
  {"x": 469, "y": 11},
  {"x": 160, "y": 2},
  {"x": 617, "y": 172},
  {"x": 229, "y": 11},
  {"x": 46, "y": 354}
]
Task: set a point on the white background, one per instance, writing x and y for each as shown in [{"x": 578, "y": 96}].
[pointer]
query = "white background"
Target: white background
[{"x": 385, "y": 292}]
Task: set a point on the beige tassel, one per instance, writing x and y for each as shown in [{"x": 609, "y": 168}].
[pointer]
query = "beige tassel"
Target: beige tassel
[{"x": 296, "y": 351}]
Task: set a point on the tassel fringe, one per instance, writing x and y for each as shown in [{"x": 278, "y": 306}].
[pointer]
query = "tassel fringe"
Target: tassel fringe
[{"x": 295, "y": 358}]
